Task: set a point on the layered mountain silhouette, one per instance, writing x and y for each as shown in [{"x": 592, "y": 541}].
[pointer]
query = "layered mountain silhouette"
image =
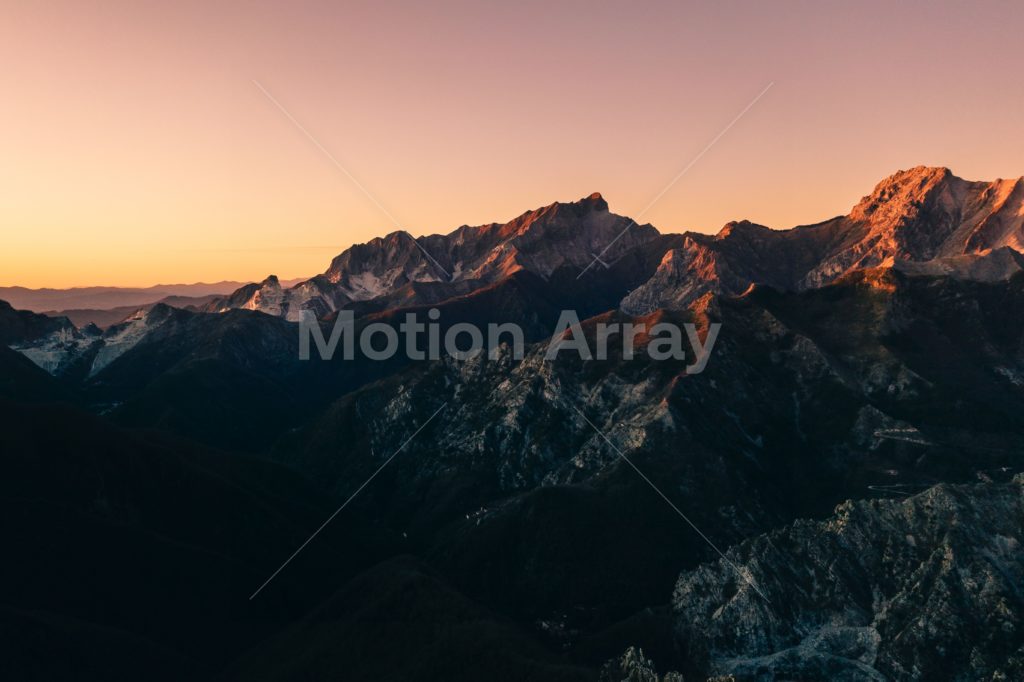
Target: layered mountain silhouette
[
  {"x": 850, "y": 449},
  {"x": 105, "y": 298}
]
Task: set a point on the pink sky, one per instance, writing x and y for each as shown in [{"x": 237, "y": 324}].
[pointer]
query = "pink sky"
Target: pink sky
[{"x": 135, "y": 148}]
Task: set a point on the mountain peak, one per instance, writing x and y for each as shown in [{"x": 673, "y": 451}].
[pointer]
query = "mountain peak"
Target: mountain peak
[
  {"x": 596, "y": 201},
  {"x": 916, "y": 177},
  {"x": 904, "y": 191},
  {"x": 922, "y": 172},
  {"x": 589, "y": 204},
  {"x": 741, "y": 227}
]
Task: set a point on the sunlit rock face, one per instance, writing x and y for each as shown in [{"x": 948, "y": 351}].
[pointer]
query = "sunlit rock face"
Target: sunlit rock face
[{"x": 924, "y": 220}]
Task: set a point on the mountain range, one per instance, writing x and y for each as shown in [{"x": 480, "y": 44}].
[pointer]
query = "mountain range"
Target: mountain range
[
  {"x": 837, "y": 496},
  {"x": 924, "y": 219}
]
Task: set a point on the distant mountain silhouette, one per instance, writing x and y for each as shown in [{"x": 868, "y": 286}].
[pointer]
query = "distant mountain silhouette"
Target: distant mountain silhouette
[{"x": 105, "y": 298}]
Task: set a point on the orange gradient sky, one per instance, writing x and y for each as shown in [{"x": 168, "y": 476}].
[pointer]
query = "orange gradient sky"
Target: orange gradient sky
[{"x": 136, "y": 149}]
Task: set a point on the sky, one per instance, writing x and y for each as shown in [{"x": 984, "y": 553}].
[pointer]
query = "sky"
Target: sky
[{"x": 140, "y": 142}]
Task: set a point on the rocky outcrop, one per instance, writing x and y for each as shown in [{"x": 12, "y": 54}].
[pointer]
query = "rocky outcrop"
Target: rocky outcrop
[
  {"x": 633, "y": 666},
  {"x": 925, "y": 588}
]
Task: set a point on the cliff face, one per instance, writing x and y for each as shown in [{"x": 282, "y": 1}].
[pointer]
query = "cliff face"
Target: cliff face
[{"x": 925, "y": 588}]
